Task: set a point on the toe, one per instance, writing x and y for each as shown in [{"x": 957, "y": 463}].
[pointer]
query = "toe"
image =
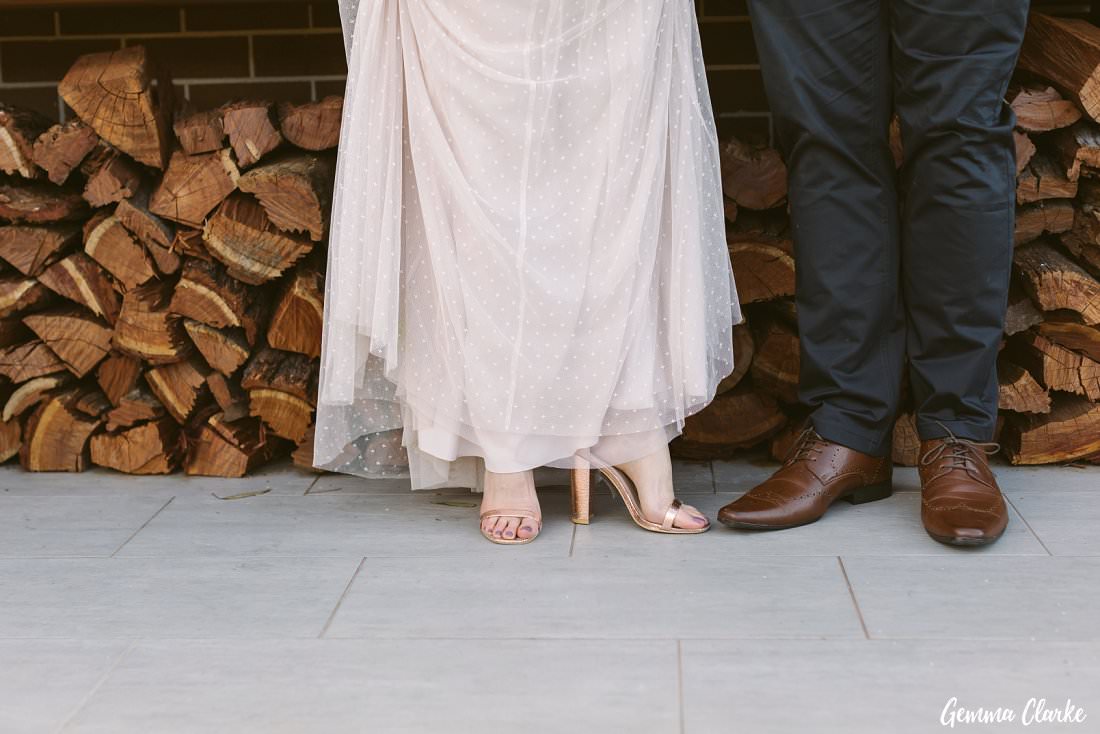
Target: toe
[
  {"x": 510, "y": 526},
  {"x": 498, "y": 527},
  {"x": 690, "y": 517},
  {"x": 528, "y": 528}
]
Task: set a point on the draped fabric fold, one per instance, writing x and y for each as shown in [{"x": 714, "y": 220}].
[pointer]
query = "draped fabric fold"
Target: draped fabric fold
[{"x": 527, "y": 254}]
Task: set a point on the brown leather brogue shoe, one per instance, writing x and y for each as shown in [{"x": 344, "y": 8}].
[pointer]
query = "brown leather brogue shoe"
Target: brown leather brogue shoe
[
  {"x": 961, "y": 503},
  {"x": 814, "y": 475}
]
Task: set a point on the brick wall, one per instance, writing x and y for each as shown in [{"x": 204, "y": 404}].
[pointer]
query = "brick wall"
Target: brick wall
[{"x": 292, "y": 50}]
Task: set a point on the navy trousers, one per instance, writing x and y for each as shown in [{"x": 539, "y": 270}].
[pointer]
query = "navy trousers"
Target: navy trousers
[{"x": 896, "y": 268}]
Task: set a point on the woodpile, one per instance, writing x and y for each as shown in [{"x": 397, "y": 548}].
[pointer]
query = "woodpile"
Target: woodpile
[
  {"x": 161, "y": 276},
  {"x": 1049, "y": 368}
]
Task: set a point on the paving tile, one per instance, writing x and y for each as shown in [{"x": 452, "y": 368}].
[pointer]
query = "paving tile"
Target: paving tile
[
  {"x": 842, "y": 687},
  {"x": 889, "y": 527},
  {"x": 279, "y": 477},
  {"x": 1041, "y": 478},
  {"x": 338, "y": 686},
  {"x": 137, "y": 597},
  {"x": 43, "y": 682},
  {"x": 514, "y": 596},
  {"x": 1064, "y": 520},
  {"x": 38, "y": 526},
  {"x": 978, "y": 597},
  {"x": 333, "y": 524}
]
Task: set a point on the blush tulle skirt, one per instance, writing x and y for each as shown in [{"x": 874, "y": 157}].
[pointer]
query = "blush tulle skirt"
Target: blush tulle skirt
[{"x": 527, "y": 256}]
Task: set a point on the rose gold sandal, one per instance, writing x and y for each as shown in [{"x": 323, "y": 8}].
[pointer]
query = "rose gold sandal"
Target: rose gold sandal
[
  {"x": 511, "y": 513},
  {"x": 620, "y": 482}
]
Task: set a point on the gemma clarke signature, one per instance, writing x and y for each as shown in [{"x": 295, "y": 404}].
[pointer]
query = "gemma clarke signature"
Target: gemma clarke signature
[{"x": 1036, "y": 712}]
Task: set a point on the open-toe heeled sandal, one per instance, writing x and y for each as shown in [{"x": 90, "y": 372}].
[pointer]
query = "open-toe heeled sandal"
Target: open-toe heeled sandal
[{"x": 625, "y": 488}]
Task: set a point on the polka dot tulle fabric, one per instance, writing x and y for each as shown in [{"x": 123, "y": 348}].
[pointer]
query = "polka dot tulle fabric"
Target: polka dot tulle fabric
[{"x": 527, "y": 255}]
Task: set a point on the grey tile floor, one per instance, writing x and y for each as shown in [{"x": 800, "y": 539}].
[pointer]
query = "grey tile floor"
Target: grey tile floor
[{"x": 289, "y": 602}]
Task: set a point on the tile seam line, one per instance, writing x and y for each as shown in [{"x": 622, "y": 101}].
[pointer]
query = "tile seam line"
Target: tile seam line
[
  {"x": 1027, "y": 524},
  {"x": 133, "y": 642},
  {"x": 340, "y": 601},
  {"x": 855, "y": 601},
  {"x": 143, "y": 526}
]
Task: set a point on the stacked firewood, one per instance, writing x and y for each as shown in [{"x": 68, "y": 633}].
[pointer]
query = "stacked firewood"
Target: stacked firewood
[
  {"x": 1049, "y": 366},
  {"x": 162, "y": 275}
]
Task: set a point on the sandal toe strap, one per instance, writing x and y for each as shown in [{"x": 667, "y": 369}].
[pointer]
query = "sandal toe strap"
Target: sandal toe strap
[{"x": 670, "y": 514}]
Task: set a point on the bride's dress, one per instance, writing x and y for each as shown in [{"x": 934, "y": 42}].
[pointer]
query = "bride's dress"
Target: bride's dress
[{"x": 527, "y": 254}]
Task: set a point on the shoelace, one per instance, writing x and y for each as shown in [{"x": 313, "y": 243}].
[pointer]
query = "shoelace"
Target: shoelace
[
  {"x": 807, "y": 446},
  {"x": 962, "y": 451}
]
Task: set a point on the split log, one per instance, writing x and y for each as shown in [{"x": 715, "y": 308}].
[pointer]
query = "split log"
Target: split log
[
  {"x": 1025, "y": 150},
  {"x": 906, "y": 441},
  {"x": 1077, "y": 147},
  {"x": 1056, "y": 367},
  {"x": 1056, "y": 282},
  {"x": 252, "y": 134},
  {"x": 1046, "y": 217},
  {"x": 754, "y": 178},
  {"x": 1042, "y": 180},
  {"x": 230, "y": 449},
  {"x": 80, "y": 340},
  {"x": 282, "y": 388},
  {"x": 19, "y": 295},
  {"x": 229, "y": 396},
  {"x": 22, "y": 362},
  {"x": 1071, "y": 430},
  {"x": 1019, "y": 391},
  {"x": 111, "y": 245},
  {"x": 1066, "y": 51},
  {"x": 151, "y": 448},
  {"x": 111, "y": 177},
  {"x": 188, "y": 242},
  {"x": 19, "y": 128},
  {"x": 133, "y": 212},
  {"x": 205, "y": 293},
  {"x": 179, "y": 386},
  {"x": 1083, "y": 241},
  {"x": 193, "y": 185},
  {"x": 735, "y": 420},
  {"x": 314, "y": 125},
  {"x": 11, "y": 439},
  {"x": 1042, "y": 109},
  {"x": 62, "y": 148},
  {"x": 146, "y": 328},
  {"x": 92, "y": 402},
  {"x": 223, "y": 349},
  {"x": 303, "y": 455},
  {"x": 1021, "y": 314},
  {"x": 775, "y": 364},
  {"x": 30, "y": 249},
  {"x": 241, "y": 236},
  {"x": 200, "y": 132},
  {"x": 39, "y": 203},
  {"x": 1072, "y": 335},
  {"x": 13, "y": 331},
  {"x": 730, "y": 208},
  {"x": 33, "y": 392},
  {"x": 79, "y": 279},
  {"x": 136, "y": 406},
  {"x": 114, "y": 93},
  {"x": 117, "y": 375},
  {"x": 295, "y": 191},
  {"x": 743, "y": 350},
  {"x": 296, "y": 323},
  {"x": 56, "y": 435},
  {"x": 763, "y": 267}
]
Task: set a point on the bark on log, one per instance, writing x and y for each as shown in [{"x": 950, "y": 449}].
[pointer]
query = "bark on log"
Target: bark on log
[
  {"x": 295, "y": 191},
  {"x": 314, "y": 125},
  {"x": 193, "y": 186},
  {"x": 146, "y": 328},
  {"x": 114, "y": 93},
  {"x": 39, "y": 203},
  {"x": 56, "y": 435},
  {"x": 253, "y": 250},
  {"x": 62, "y": 148},
  {"x": 754, "y": 178},
  {"x": 1067, "y": 52}
]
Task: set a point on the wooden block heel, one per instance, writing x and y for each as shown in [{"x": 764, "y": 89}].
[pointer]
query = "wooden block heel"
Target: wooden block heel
[{"x": 581, "y": 483}]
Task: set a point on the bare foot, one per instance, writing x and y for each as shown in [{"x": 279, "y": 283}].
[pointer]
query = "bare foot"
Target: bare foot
[
  {"x": 510, "y": 492},
  {"x": 652, "y": 476}
]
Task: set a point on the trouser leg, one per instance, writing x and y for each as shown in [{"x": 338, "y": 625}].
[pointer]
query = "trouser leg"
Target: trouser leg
[
  {"x": 952, "y": 60},
  {"x": 826, "y": 68}
]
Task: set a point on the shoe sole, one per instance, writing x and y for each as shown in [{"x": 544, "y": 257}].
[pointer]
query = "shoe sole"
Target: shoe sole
[
  {"x": 964, "y": 542},
  {"x": 858, "y": 496}
]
